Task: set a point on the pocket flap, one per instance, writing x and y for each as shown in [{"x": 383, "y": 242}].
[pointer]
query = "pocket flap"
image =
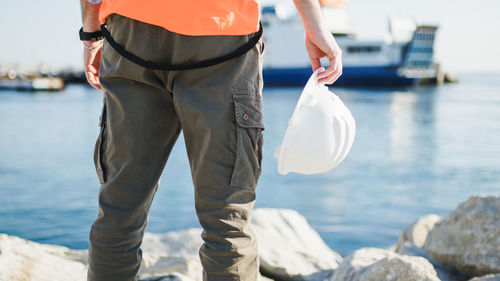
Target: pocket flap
[{"x": 248, "y": 111}]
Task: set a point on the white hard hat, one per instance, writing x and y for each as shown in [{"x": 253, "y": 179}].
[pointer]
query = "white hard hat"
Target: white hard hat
[{"x": 319, "y": 134}]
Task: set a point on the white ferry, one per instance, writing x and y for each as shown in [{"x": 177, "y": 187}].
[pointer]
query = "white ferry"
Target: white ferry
[{"x": 403, "y": 58}]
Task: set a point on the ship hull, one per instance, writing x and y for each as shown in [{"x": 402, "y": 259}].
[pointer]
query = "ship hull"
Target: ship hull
[{"x": 357, "y": 76}]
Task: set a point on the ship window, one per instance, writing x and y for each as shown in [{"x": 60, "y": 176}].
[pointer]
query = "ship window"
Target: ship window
[
  {"x": 269, "y": 10},
  {"x": 363, "y": 49}
]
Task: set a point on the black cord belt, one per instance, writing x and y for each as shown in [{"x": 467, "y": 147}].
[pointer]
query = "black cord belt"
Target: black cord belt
[{"x": 253, "y": 39}]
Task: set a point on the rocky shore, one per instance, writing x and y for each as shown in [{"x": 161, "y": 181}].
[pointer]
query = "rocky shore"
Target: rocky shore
[{"x": 465, "y": 245}]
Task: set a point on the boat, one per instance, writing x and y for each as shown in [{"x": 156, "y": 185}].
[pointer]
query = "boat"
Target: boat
[
  {"x": 403, "y": 58},
  {"x": 21, "y": 78},
  {"x": 33, "y": 84}
]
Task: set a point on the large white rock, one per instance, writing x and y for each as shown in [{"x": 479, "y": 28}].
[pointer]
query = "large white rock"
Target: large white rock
[
  {"x": 23, "y": 260},
  {"x": 174, "y": 251},
  {"x": 417, "y": 232},
  {"x": 289, "y": 249},
  {"x": 489, "y": 277},
  {"x": 172, "y": 256},
  {"x": 377, "y": 264},
  {"x": 469, "y": 238}
]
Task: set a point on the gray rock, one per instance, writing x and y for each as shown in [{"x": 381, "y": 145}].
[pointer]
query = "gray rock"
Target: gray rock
[
  {"x": 289, "y": 249},
  {"x": 377, "y": 264},
  {"x": 417, "y": 232},
  {"x": 469, "y": 238},
  {"x": 445, "y": 273},
  {"x": 489, "y": 277}
]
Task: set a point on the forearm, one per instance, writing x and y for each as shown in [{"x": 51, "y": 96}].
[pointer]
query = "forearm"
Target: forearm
[
  {"x": 90, "y": 16},
  {"x": 319, "y": 41},
  {"x": 312, "y": 16}
]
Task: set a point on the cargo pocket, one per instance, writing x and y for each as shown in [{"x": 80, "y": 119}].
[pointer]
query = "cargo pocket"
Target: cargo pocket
[
  {"x": 249, "y": 141},
  {"x": 100, "y": 147}
]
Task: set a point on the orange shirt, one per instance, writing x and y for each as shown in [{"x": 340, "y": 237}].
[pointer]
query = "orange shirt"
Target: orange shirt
[{"x": 190, "y": 17}]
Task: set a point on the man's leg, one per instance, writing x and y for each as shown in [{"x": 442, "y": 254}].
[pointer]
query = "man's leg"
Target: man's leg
[
  {"x": 220, "y": 108},
  {"x": 139, "y": 129}
]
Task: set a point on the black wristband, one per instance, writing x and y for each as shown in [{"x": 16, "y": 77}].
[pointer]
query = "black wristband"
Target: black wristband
[{"x": 90, "y": 36}]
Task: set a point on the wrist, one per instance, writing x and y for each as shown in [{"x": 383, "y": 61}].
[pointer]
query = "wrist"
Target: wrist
[{"x": 92, "y": 44}]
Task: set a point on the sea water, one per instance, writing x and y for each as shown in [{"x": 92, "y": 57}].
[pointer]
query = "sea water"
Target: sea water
[{"x": 417, "y": 151}]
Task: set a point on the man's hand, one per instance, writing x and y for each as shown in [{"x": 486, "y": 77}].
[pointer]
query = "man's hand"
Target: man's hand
[
  {"x": 92, "y": 49},
  {"x": 319, "y": 41},
  {"x": 92, "y": 62},
  {"x": 324, "y": 45}
]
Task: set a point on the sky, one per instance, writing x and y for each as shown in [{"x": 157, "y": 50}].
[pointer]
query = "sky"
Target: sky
[{"x": 34, "y": 31}]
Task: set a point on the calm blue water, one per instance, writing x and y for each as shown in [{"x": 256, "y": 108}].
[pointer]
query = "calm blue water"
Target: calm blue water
[{"x": 417, "y": 151}]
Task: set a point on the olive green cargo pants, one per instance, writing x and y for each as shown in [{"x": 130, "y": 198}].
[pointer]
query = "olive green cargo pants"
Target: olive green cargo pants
[{"x": 219, "y": 109}]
